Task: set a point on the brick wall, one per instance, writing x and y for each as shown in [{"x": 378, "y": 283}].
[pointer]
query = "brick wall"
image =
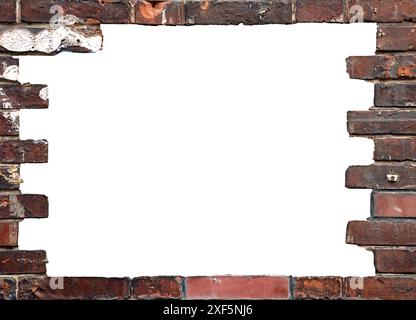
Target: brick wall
[{"x": 50, "y": 26}]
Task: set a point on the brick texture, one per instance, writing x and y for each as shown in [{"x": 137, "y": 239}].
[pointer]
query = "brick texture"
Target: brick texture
[
  {"x": 23, "y": 151},
  {"x": 22, "y": 262},
  {"x": 395, "y": 261},
  {"x": 7, "y": 288},
  {"x": 394, "y": 204},
  {"x": 8, "y": 11},
  {"x": 319, "y": 11},
  {"x": 386, "y": 10},
  {"x": 157, "y": 288},
  {"x": 9, "y": 232},
  {"x": 26, "y": 96},
  {"x": 161, "y": 12},
  {"x": 395, "y": 95},
  {"x": 317, "y": 288},
  {"x": 10, "y": 177},
  {"x": 23, "y": 206},
  {"x": 396, "y": 37},
  {"x": 9, "y": 123},
  {"x": 395, "y": 149}
]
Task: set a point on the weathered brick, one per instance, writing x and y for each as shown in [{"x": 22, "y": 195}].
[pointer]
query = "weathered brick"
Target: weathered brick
[
  {"x": 380, "y": 288},
  {"x": 228, "y": 287},
  {"x": 317, "y": 288},
  {"x": 224, "y": 12},
  {"x": 160, "y": 12},
  {"x": 395, "y": 261},
  {"x": 383, "y": 177},
  {"x": 113, "y": 11},
  {"x": 383, "y": 67},
  {"x": 9, "y": 233},
  {"x": 9, "y": 69},
  {"x": 395, "y": 148},
  {"x": 73, "y": 288},
  {"x": 9, "y": 123},
  {"x": 22, "y": 262},
  {"x": 380, "y": 233},
  {"x": 23, "y": 206},
  {"x": 395, "y": 95},
  {"x": 8, "y": 11},
  {"x": 320, "y": 11},
  {"x": 382, "y": 122},
  {"x": 386, "y": 10},
  {"x": 157, "y": 288},
  {"x": 396, "y": 37},
  {"x": 7, "y": 288},
  {"x": 399, "y": 204},
  {"x": 23, "y": 96},
  {"x": 23, "y": 151},
  {"x": 10, "y": 177}
]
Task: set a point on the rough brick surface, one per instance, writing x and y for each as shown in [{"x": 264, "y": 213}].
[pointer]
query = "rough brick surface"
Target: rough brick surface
[
  {"x": 22, "y": 262},
  {"x": 157, "y": 288},
  {"x": 160, "y": 12},
  {"x": 7, "y": 288},
  {"x": 23, "y": 206},
  {"x": 9, "y": 233},
  {"x": 8, "y": 11},
  {"x": 387, "y": 177},
  {"x": 26, "y": 96},
  {"x": 395, "y": 261},
  {"x": 319, "y": 11},
  {"x": 380, "y": 233},
  {"x": 9, "y": 123},
  {"x": 396, "y": 204},
  {"x": 237, "y": 287},
  {"x": 23, "y": 151},
  {"x": 317, "y": 288},
  {"x": 395, "y": 148},
  {"x": 71, "y": 288},
  {"x": 396, "y": 37},
  {"x": 395, "y": 95},
  {"x": 386, "y": 10},
  {"x": 9, "y": 68},
  {"x": 10, "y": 177}
]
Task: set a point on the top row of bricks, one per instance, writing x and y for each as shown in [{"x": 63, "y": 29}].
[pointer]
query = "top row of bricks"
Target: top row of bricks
[{"x": 188, "y": 12}]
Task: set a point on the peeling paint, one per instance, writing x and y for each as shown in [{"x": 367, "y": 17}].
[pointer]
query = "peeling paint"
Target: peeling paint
[
  {"x": 44, "y": 93},
  {"x": 11, "y": 73}
]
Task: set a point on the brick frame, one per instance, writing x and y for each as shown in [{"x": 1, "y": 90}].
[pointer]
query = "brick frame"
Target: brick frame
[{"x": 390, "y": 232}]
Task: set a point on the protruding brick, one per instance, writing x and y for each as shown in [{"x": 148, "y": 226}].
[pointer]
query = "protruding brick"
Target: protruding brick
[
  {"x": 8, "y": 11},
  {"x": 9, "y": 123},
  {"x": 384, "y": 10},
  {"x": 395, "y": 95},
  {"x": 382, "y": 177},
  {"x": 228, "y": 287},
  {"x": 395, "y": 148},
  {"x": 160, "y": 12},
  {"x": 224, "y": 12},
  {"x": 9, "y": 233},
  {"x": 381, "y": 233},
  {"x": 397, "y": 204},
  {"x": 320, "y": 11},
  {"x": 23, "y": 206},
  {"x": 22, "y": 262},
  {"x": 382, "y": 122},
  {"x": 9, "y": 68},
  {"x": 71, "y": 288},
  {"x": 157, "y": 288},
  {"x": 8, "y": 288},
  {"x": 114, "y": 11},
  {"x": 10, "y": 177},
  {"x": 23, "y": 151},
  {"x": 395, "y": 261},
  {"x": 317, "y": 288},
  {"x": 396, "y": 37},
  {"x": 23, "y": 96}
]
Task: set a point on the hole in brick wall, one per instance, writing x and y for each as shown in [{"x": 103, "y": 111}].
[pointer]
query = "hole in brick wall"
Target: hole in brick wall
[{"x": 204, "y": 150}]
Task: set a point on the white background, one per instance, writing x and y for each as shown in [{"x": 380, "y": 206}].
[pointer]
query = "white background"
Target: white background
[{"x": 201, "y": 150}]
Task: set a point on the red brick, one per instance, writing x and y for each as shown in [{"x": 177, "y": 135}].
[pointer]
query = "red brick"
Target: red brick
[
  {"x": 114, "y": 11},
  {"x": 394, "y": 204},
  {"x": 380, "y": 288},
  {"x": 10, "y": 177},
  {"x": 382, "y": 122},
  {"x": 23, "y": 151},
  {"x": 73, "y": 288},
  {"x": 9, "y": 123},
  {"x": 395, "y": 95},
  {"x": 320, "y": 11},
  {"x": 7, "y": 288},
  {"x": 9, "y": 233},
  {"x": 381, "y": 233},
  {"x": 382, "y": 177},
  {"x": 224, "y": 12},
  {"x": 23, "y": 96},
  {"x": 160, "y": 12},
  {"x": 395, "y": 148},
  {"x": 8, "y": 11},
  {"x": 317, "y": 288},
  {"x": 22, "y": 262},
  {"x": 9, "y": 68},
  {"x": 396, "y": 37},
  {"x": 386, "y": 10},
  {"x": 157, "y": 288},
  {"x": 228, "y": 287},
  {"x": 395, "y": 261},
  {"x": 23, "y": 206}
]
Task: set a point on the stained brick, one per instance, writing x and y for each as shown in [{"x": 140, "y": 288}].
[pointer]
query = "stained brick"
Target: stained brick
[
  {"x": 160, "y": 12},
  {"x": 23, "y": 96},
  {"x": 9, "y": 233},
  {"x": 395, "y": 95},
  {"x": 396, "y": 37},
  {"x": 386, "y": 10},
  {"x": 157, "y": 288},
  {"x": 393, "y": 204},
  {"x": 320, "y": 11},
  {"x": 9, "y": 123},
  {"x": 224, "y": 12},
  {"x": 228, "y": 287},
  {"x": 7, "y": 288},
  {"x": 397, "y": 149},
  {"x": 317, "y": 288},
  {"x": 9, "y": 68},
  {"x": 23, "y": 151},
  {"x": 23, "y": 206},
  {"x": 10, "y": 177},
  {"x": 8, "y": 11},
  {"x": 395, "y": 261},
  {"x": 22, "y": 262},
  {"x": 70, "y": 288}
]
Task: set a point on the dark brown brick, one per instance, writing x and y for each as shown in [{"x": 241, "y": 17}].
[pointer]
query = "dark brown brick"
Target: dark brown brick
[
  {"x": 161, "y": 12},
  {"x": 383, "y": 67},
  {"x": 395, "y": 261},
  {"x": 23, "y": 96},
  {"x": 114, "y": 11},
  {"x": 9, "y": 233},
  {"x": 7, "y": 288},
  {"x": 224, "y": 12},
  {"x": 9, "y": 68},
  {"x": 382, "y": 122},
  {"x": 8, "y": 11},
  {"x": 9, "y": 123},
  {"x": 73, "y": 288},
  {"x": 395, "y": 95},
  {"x": 320, "y": 11},
  {"x": 10, "y": 177},
  {"x": 396, "y": 37},
  {"x": 23, "y": 206},
  {"x": 317, "y": 288},
  {"x": 395, "y": 148},
  {"x": 393, "y": 204},
  {"x": 157, "y": 288},
  {"x": 23, "y": 151},
  {"x": 229, "y": 287},
  {"x": 386, "y": 10},
  {"x": 381, "y": 233},
  {"x": 22, "y": 262}
]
